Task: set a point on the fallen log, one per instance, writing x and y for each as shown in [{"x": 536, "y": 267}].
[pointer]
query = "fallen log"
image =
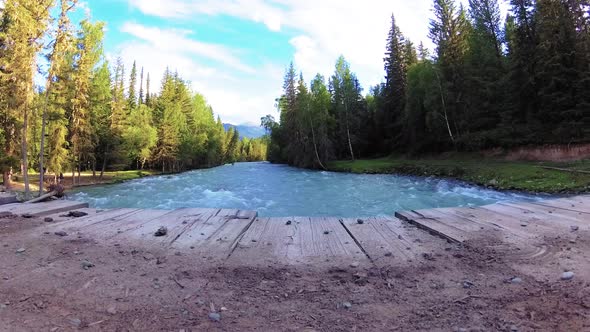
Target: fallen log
[
  {"x": 43, "y": 197},
  {"x": 565, "y": 170}
]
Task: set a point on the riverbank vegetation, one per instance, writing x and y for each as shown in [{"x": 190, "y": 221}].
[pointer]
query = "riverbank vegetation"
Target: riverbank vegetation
[
  {"x": 547, "y": 177},
  {"x": 489, "y": 83},
  {"x": 90, "y": 115}
]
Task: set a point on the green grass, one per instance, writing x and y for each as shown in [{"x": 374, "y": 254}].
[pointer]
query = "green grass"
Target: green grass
[{"x": 504, "y": 175}]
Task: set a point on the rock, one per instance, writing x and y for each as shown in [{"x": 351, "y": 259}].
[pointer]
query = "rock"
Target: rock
[
  {"x": 112, "y": 310},
  {"x": 48, "y": 219},
  {"x": 388, "y": 254},
  {"x": 61, "y": 233},
  {"x": 76, "y": 214},
  {"x": 524, "y": 224},
  {"x": 86, "y": 265},
  {"x": 162, "y": 231},
  {"x": 288, "y": 222},
  {"x": 360, "y": 221},
  {"x": 516, "y": 280},
  {"x": 354, "y": 264},
  {"x": 467, "y": 284},
  {"x": 27, "y": 215},
  {"x": 574, "y": 228},
  {"x": 346, "y": 305},
  {"x": 76, "y": 322},
  {"x": 20, "y": 250},
  {"x": 214, "y": 316},
  {"x": 513, "y": 328},
  {"x": 326, "y": 232},
  {"x": 493, "y": 182},
  {"x": 569, "y": 275},
  {"x": 223, "y": 309}
]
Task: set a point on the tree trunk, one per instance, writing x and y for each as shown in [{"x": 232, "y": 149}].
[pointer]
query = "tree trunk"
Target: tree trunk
[
  {"x": 104, "y": 164},
  {"x": 73, "y": 175},
  {"x": 79, "y": 166},
  {"x": 24, "y": 149},
  {"x": 315, "y": 146},
  {"x": 94, "y": 170},
  {"x": 42, "y": 149},
  {"x": 6, "y": 180}
]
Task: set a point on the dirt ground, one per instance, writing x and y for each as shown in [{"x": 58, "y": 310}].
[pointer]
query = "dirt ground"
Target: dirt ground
[{"x": 46, "y": 288}]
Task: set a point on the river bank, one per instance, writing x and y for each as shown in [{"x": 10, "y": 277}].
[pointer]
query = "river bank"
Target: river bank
[{"x": 535, "y": 177}]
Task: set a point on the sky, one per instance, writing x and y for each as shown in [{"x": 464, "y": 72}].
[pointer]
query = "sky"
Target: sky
[{"x": 235, "y": 52}]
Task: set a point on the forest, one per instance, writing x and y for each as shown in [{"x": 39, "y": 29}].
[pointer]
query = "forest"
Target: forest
[
  {"x": 490, "y": 82},
  {"x": 89, "y": 115}
]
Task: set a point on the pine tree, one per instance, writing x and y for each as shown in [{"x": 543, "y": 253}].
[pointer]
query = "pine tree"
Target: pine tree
[
  {"x": 28, "y": 21},
  {"x": 132, "y": 97},
  {"x": 141, "y": 87},
  {"x": 101, "y": 111}
]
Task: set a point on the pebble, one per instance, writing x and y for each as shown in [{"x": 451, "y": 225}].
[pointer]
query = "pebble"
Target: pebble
[
  {"x": 326, "y": 232},
  {"x": 569, "y": 275},
  {"x": 516, "y": 280},
  {"x": 61, "y": 233},
  {"x": 27, "y": 215},
  {"x": 513, "y": 328},
  {"x": 76, "y": 322},
  {"x": 112, "y": 310},
  {"x": 360, "y": 221},
  {"x": 468, "y": 284},
  {"x": 20, "y": 250},
  {"x": 223, "y": 309},
  {"x": 347, "y": 305},
  {"x": 574, "y": 228},
  {"x": 354, "y": 264},
  {"x": 214, "y": 316},
  {"x": 162, "y": 231},
  {"x": 87, "y": 265},
  {"x": 388, "y": 254},
  {"x": 524, "y": 224},
  {"x": 48, "y": 219},
  {"x": 288, "y": 222}
]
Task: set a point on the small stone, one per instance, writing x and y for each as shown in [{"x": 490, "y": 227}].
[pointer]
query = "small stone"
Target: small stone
[
  {"x": 574, "y": 228},
  {"x": 76, "y": 214},
  {"x": 347, "y": 305},
  {"x": 20, "y": 250},
  {"x": 569, "y": 275},
  {"x": 288, "y": 222},
  {"x": 326, "y": 232},
  {"x": 524, "y": 224},
  {"x": 61, "y": 233},
  {"x": 223, "y": 309},
  {"x": 86, "y": 265},
  {"x": 214, "y": 316},
  {"x": 48, "y": 219},
  {"x": 178, "y": 253},
  {"x": 162, "y": 231},
  {"x": 513, "y": 328},
  {"x": 354, "y": 264},
  {"x": 360, "y": 221},
  {"x": 516, "y": 280},
  {"x": 112, "y": 310},
  {"x": 468, "y": 284},
  {"x": 185, "y": 222},
  {"x": 388, "y": 254},
  {"x": 76, "y": 322},
  {"x": 27, "y": 215},
  {"x": 493, "y": 182}
]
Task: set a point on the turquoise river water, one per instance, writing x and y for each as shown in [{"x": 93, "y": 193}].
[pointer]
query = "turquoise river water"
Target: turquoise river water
[{"x": 279, "y": 190}]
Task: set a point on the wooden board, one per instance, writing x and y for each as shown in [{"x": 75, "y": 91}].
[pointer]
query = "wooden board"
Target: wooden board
[
  {"x": 385, "y": 240},
  {"x": 577, "y": 204},
  {"x": 535, "y": 214},
  {"x": 304, "y": 240},
  {"x": 44, "y": 208},
  {"x": 434, "y": 226}
]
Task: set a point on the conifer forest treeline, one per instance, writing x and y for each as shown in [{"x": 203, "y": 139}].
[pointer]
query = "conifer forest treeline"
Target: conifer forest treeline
[
  {"x": 491, "y": 81},
  {"x": 95, "y": 115}
]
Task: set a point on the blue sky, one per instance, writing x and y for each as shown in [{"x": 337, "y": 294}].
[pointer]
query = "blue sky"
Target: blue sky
[{"x": 235, "y": 51}]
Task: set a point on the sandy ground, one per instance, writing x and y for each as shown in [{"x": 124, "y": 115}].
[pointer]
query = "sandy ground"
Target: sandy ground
[{"x": 46, "y": 288}]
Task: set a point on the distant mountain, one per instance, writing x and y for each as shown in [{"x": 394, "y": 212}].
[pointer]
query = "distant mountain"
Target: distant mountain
[{"x": 245, "y": 130}]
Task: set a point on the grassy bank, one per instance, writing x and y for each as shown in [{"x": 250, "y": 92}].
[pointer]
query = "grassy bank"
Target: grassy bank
[
  {"x": 86, "y": 179},
  {"x": 499, "y": 174}
]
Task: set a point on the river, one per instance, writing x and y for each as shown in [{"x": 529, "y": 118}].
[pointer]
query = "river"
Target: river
[{"x": 279, "y": 190}]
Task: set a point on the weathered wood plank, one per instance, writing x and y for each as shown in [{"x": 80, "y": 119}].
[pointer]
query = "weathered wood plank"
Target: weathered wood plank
[
  {"x": 384, "y": 239},
  {"x": 434, "y": 226},
  {"x": 509, "y": 225},
  {"x": 530, "y": 213},
  {"x": 577, "y": 204},
  {"x": 44, "y": 208}
]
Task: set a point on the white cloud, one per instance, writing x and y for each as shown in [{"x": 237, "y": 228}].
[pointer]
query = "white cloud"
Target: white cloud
[{"x": 323, "y": 30}]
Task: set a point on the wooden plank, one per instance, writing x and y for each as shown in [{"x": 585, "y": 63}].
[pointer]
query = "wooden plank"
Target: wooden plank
[
  {"x": 44, "y": 208},
  {"x": 458, "y": 222},
  {"x": 576, "y": 204},
  {"x": 190, "y": 223},
  {"x": 553, "y": 216},
  {"x": 509, "y": 225},
  {"x": 142, "y": 225},
  {"x": 222, "y": 242},
  {"x": 384, "y": 237},
  {"x": 434, "y": 226},
  {"x": 303, "y": 240},
  {"x": 550, "y": 223}
]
